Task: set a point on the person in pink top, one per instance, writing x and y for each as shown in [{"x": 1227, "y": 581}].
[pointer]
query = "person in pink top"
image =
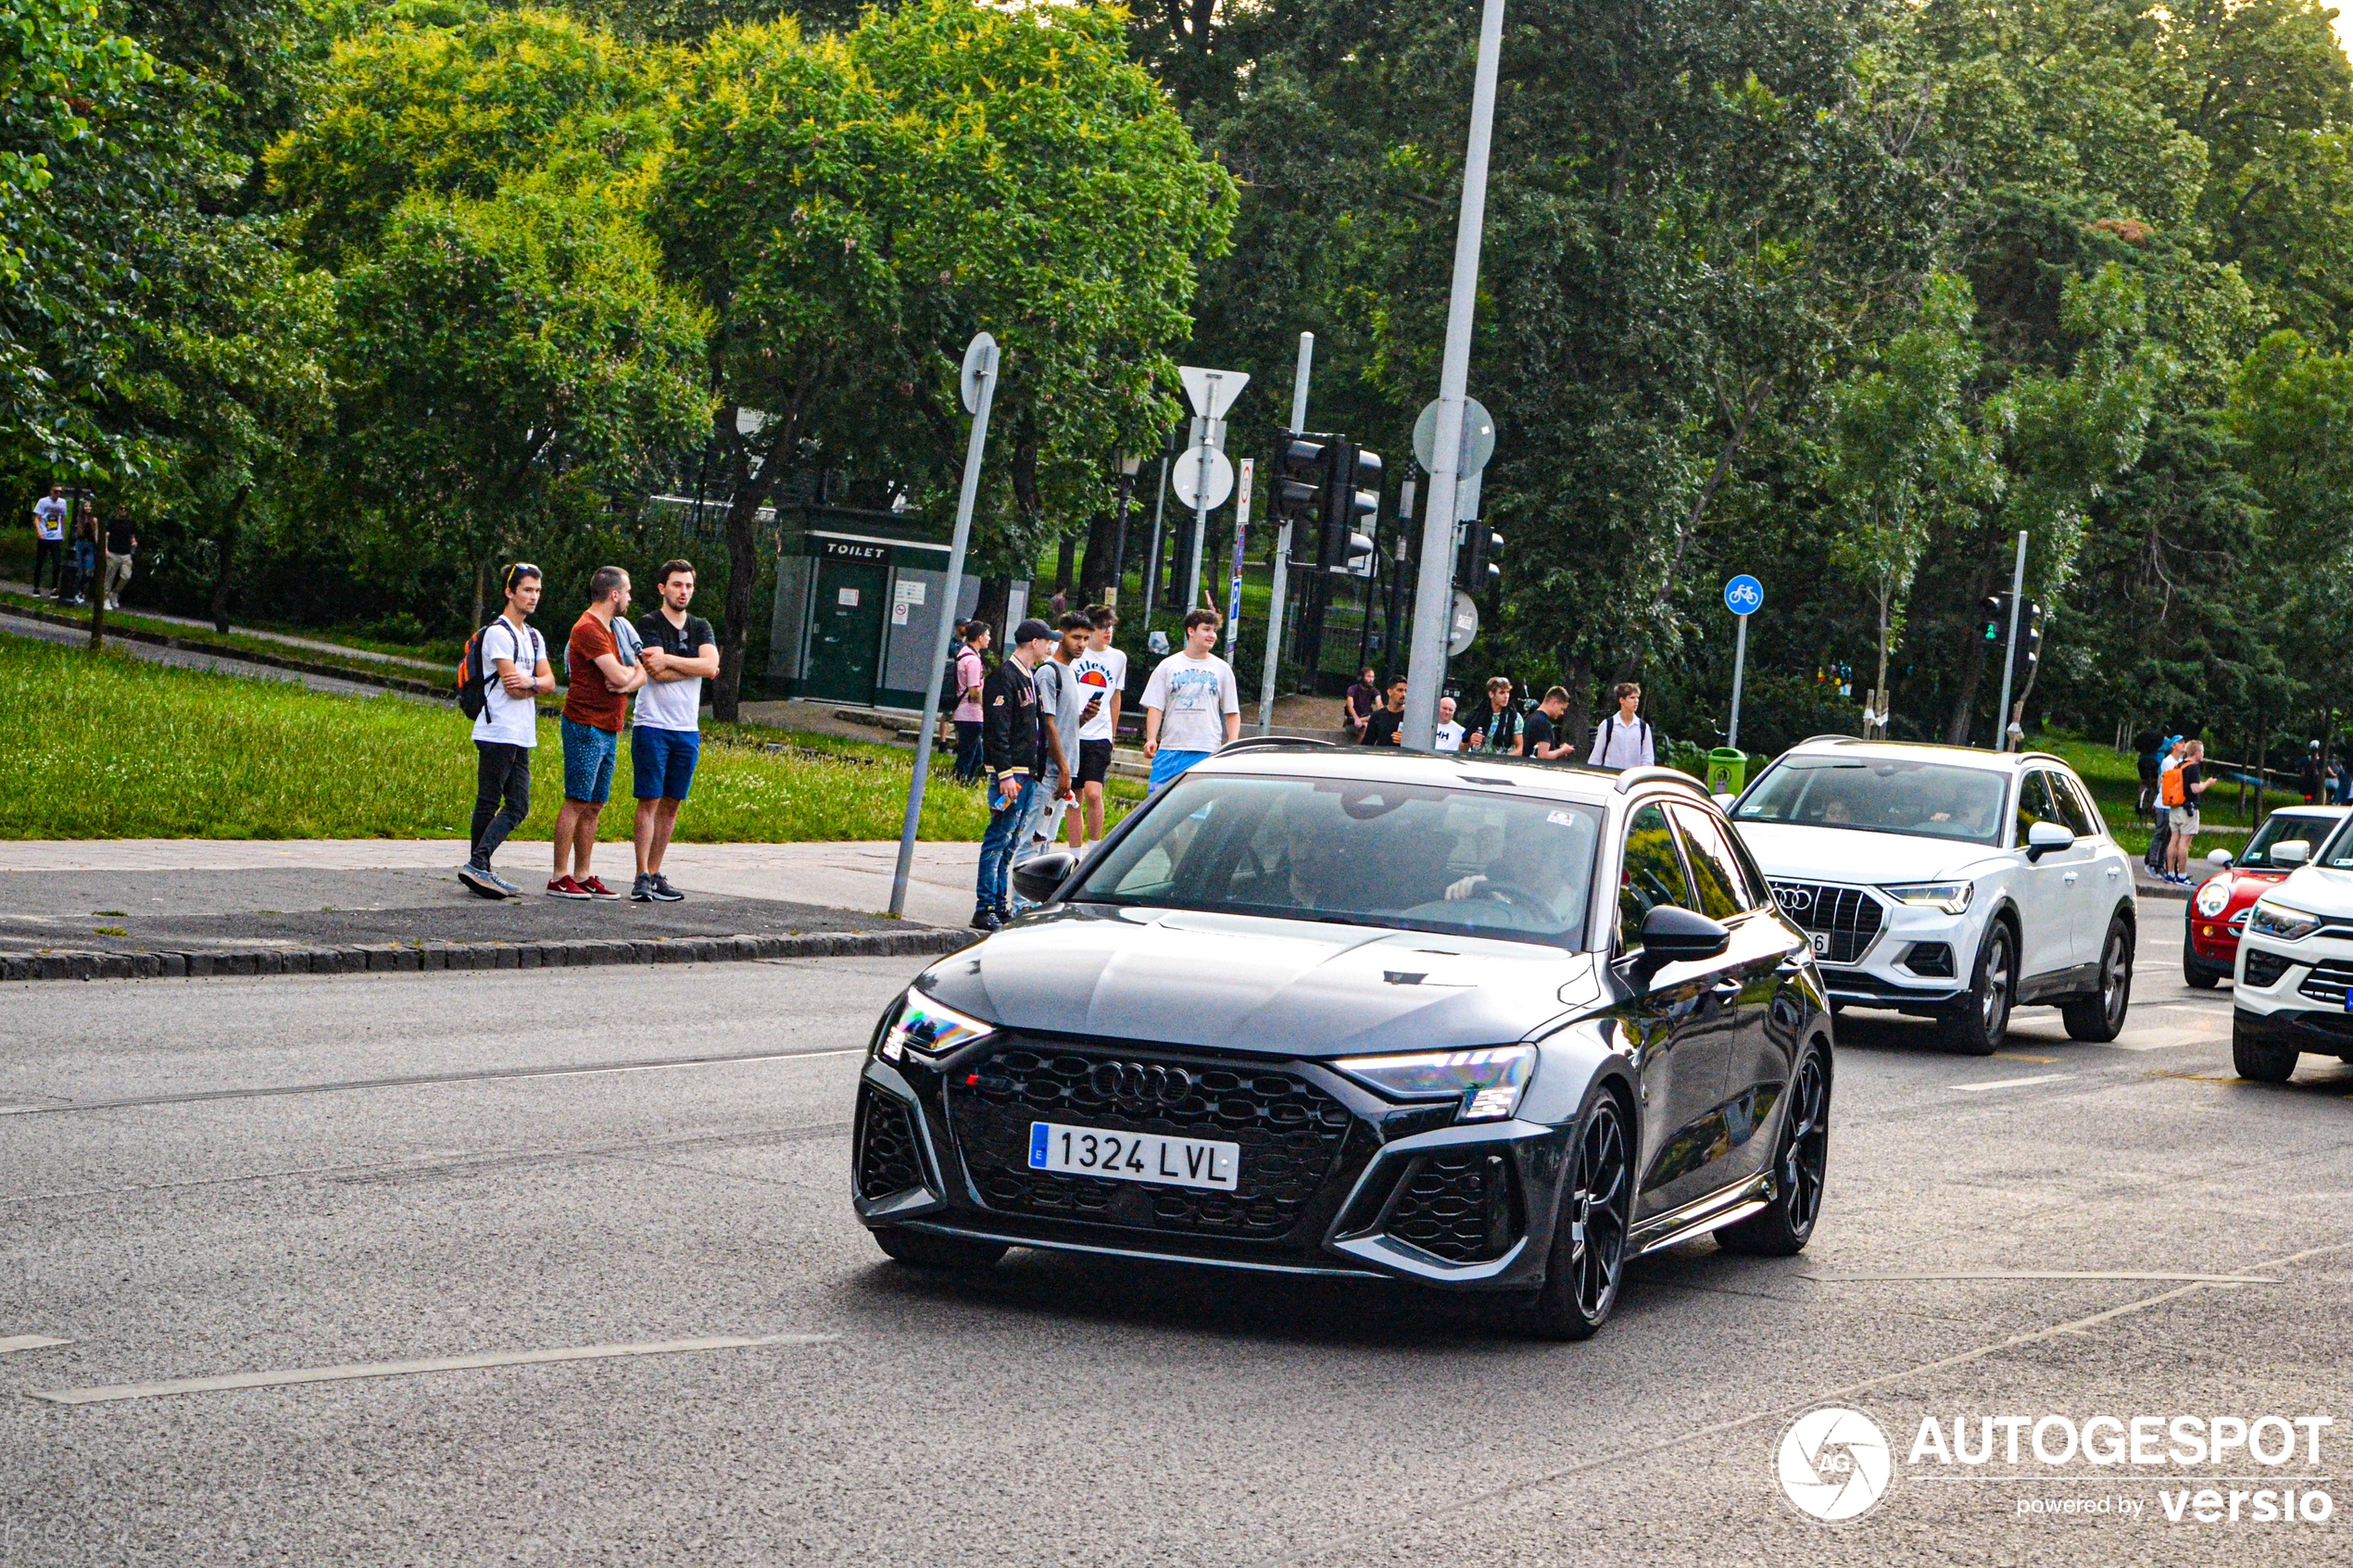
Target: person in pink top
[{"x": 970, "y": 672}]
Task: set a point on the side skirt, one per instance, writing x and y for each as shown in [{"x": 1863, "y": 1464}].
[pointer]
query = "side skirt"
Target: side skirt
[{"x": 1711, "y": 1212}]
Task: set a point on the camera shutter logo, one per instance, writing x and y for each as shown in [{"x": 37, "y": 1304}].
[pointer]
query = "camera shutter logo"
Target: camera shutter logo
[{"x": 1834, "y": 1465}]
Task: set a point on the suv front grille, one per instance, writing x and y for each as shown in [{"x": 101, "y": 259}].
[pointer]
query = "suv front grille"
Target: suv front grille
[
  {"x": 2265, "y": 968},
  {"x": 1847, "y": 918},
  {"x": 1291, "y": 1133},
  {"x": 888, "y": 1162},
  {"x": 2327, "y": 983}
]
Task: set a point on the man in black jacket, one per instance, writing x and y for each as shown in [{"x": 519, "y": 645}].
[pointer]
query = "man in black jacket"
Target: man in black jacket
[{"x": 1009, "y": 742}]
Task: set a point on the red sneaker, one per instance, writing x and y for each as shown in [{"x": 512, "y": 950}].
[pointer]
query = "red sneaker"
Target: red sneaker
[
  {"x": 564, "y": 887},
  {"x": 595, "y": 887}
]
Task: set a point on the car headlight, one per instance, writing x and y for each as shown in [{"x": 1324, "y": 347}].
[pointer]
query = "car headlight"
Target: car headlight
[
  {"x": 2278, "y": 920},
  {"x": 930, "y": 1029},
  {"x": 2214, "y": 898},
  {"x": 1488, "y": 1083},
  {"x": 1950, "y": 896}
]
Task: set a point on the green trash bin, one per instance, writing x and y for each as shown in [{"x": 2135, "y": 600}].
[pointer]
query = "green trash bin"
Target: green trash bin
[{"x": 1727, "y": 771}]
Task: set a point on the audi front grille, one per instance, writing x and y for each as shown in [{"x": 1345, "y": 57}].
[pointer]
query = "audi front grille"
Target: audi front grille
[{"x": 1848, "y": 917}]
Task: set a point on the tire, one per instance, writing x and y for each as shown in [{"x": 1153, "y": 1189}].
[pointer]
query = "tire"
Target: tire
[
  {"x": 922, "y": 1249},
  {"x": 1979, "y": 1030},
  {"x": 1801, "y": 1161},
  {"x": 2260, "y": 1060},
  {"x": 1588, "y": 1263},
  {"x": 2198, "y": 979},
  {"x": 2099, "y": 1018}
]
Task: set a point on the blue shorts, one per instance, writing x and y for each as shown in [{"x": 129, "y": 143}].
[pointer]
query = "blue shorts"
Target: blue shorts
[
  {"x": 661, "y": 762},
  {"x": 1167, "y": 764},
  {"x": 588, "y": 759}
]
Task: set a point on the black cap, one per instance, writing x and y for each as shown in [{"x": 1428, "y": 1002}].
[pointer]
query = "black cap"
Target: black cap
[{"x": 1034, "y": 630}]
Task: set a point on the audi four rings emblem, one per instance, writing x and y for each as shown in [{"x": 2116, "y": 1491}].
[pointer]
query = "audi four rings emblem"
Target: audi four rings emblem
[
  {"x": 1796, "y": 900},
  {"x": 1137, "y": 1080}
]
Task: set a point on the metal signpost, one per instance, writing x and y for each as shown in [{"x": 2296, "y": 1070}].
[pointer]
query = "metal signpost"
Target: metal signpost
[
  {"x": 1282, "y": 546},
  {"x": 2009, "y": 647},
  {"x": 1744, "y": 596},
  {"x": 980, "y": 391},
  {"x": 1211, "y": 394},
  {"x": 1427, "y": 671},
  {"x": 1234, "y": 594}
]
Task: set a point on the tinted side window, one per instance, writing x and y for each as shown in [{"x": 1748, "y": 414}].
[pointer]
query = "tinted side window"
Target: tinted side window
[
  {"x": 2034, "y": 805},
  {"x": 2076, "y": 806},
  {"x": 1652, "y": 873},
  {"x": 1714, "y": 873}
]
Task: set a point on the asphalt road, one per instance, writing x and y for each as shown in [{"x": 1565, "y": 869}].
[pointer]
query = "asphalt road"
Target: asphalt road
[{"x": 236, "y": 1176}]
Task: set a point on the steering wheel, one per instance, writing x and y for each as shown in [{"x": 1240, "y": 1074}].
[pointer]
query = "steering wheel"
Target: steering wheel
[{"x": 1511, "y": 895}]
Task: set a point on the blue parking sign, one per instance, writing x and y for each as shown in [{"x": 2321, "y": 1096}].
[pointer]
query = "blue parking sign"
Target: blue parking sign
[{"x": 1744, "y": 594}]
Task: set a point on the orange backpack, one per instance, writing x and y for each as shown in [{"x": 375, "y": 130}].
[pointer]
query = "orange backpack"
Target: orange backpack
[{"x": 2169, "y": 790}]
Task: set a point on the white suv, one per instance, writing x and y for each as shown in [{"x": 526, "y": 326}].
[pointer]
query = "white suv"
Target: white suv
[
  {"x": 1947, "y": 882},
  {"x": 2295, "y": 968}
]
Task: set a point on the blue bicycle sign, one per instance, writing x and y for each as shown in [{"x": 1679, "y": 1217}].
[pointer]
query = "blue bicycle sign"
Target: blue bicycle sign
[{"x": 1744, "y": 594}]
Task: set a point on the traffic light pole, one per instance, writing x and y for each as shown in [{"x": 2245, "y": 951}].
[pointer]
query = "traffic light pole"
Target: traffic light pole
[
  {"x": 2009, "y": 649},
  {"x": 1282, "y": 544},
  {"x": 1434, "y": 591}
]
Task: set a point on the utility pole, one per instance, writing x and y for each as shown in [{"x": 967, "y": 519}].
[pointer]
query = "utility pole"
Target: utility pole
[
  {"x": 2009, "y": 647},
  {"x": 1282, "y": 542},
  {"x": 1434, "y": 593},
  {"x": 1152, "y": 562}
]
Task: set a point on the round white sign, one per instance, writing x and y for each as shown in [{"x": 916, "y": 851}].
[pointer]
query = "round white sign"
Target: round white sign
[{"x": 1834, "y": 1464}]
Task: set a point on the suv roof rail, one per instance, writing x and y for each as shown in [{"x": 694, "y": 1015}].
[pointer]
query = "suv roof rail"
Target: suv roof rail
[
  {"x": 1833, "y": 736},
  {"x": 1628, "y": 778},
  {"x": 1277, "y": 742}
]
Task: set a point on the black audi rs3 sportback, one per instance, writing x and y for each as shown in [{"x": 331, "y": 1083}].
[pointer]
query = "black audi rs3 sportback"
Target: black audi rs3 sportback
[{"x": 1329, "y": 1011}]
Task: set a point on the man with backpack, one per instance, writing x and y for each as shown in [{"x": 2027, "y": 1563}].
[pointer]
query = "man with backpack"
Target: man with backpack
[
  {"x": 1623, "y": 740},
  {"x": 1011, "y": 735},
  {"x": 965, "y": 674},
  {"x": 506, "y": 672}
]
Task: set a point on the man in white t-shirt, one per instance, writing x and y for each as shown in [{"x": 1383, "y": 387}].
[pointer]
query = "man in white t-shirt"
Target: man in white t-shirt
[
  {"x": 49, "y": 515},
  {"x": 1192, "y": 704},
  {"x": 1450, "y": 735},
  {"x": 1062, "y": 707},
  {"x": 1623, "y": 740},
  {"x": 680, "y": 654},
  {"x": 515, "y": 675},
  {"x": 1101, "y": 670}
]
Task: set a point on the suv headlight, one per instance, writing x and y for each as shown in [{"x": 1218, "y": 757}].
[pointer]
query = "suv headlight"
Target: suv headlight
[
  {"x": 930, "y": 1029},
  {"x": 2214, "y": 898},
  {"x": 1488, "y": 1083},
  {"x": 2278, "y": 920},
  {"x": 1950, "y": 896}
]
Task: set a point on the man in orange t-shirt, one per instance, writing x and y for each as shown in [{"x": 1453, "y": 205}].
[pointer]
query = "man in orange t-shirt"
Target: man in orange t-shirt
[{"x": 595, "y": 707}]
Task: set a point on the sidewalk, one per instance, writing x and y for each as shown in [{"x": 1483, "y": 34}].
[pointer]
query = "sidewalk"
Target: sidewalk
[
  {"x": 308, "y": 644},
  {"x": 174, "y": 907}
]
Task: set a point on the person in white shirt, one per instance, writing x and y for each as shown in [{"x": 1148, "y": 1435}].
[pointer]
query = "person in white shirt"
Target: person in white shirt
[
  {"x": 49, "y": 515},
  {"x": 1450, "y": 735},
  {"x": 1623, "y": 740},
  {"x": 1193, "y": 704},
  {"x": 1101, "y": 670},
  {"x": 679, "y": 653},
  {"x": 516, "y": 674},
  {"x": 1062, "y": 707}
]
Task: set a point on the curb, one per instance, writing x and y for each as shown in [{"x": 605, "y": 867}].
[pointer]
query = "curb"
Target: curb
[{"x": 379, "y": 958}]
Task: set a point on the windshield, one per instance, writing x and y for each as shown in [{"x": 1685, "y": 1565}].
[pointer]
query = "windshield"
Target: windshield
[
  {"x": 2280, "y": 829},
  {"x": 1414, "y": 856},
  {"x": 1878, "y": 794}
]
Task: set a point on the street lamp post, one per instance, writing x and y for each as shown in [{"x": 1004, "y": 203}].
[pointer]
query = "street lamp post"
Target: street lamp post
[
  {"x": 1434, "y": 593},
  {"x": 1128, "y": 467}
]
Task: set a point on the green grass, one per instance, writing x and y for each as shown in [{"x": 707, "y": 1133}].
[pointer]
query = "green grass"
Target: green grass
[{"x": 114, "y": 748}]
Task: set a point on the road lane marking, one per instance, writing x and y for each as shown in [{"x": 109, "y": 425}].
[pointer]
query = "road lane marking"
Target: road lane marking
[
  {"x": 2014, "y": 1056},
  {"x": 2044, "y": 1274},
  {"x": 2013, "y": 1083},
  {"x": 485, "y": 1075},
  {"x": 29, "y": 1342},
  {"x": 108, "y": 1393}
]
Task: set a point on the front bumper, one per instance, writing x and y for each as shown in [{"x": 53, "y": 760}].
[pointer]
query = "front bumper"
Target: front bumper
[
  {"x": 2294, "y": 993},
  {"x": 2210, "y": 944},
  {"x": 1334, "y": 1180},
  {"x": 1875, "y": 952}
]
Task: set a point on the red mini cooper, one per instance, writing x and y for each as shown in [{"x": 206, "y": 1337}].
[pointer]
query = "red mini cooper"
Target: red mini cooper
[{"x": 2217, "y": 911}]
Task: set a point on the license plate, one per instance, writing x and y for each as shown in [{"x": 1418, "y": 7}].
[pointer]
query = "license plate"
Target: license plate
[
  {"x": 1822, "y": 940},
  {"x": 1134, "y": 1157}
]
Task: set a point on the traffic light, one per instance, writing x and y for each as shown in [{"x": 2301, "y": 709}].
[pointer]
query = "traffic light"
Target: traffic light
[
  {"x": 1353, "y": 498},
  {"x": 2029, "y": 651},
  {"x": 1474, "y": 568},
  {"x": 1303, "y": 487},
  {"x": 1997, "y": 618}
]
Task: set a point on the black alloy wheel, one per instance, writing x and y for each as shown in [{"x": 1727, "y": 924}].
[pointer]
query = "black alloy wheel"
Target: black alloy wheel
[
  {"x": 2261, "y": 1061},
  {"x": 1979, "y": 1029},
  {"x": 2099, "y": 1018},
  {"x": 925, "y": 1249},
  {"x": 1801, "y": 1161},
  {"x": 1589, "y": 1237}
]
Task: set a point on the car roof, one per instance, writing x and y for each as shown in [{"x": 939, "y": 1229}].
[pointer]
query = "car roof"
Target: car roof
[
  {"x": 1596, "y": 787},
  {"x": 2308, "y": 808},
  {"x": 1922, "y": 751}
]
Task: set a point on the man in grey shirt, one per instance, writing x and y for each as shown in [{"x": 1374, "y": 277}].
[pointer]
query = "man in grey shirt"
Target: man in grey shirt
[{"x": 1062, "y": 710}]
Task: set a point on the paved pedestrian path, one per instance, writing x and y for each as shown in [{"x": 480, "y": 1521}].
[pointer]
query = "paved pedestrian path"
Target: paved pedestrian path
[
  {"x": 183, "y": 659},
  {"x": 312, "y": 645}
]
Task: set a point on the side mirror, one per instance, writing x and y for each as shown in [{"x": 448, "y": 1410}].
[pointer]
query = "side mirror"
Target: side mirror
[
  {"x": 1724, "y": 798},
  {"x": 1036, "y": 878},
  {"x": 2044, "y": 838},
  {"x": 2294, "y": 852},
  {"x": 1673, "y": 934},
  {"x": 2218, "y": 856}
]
